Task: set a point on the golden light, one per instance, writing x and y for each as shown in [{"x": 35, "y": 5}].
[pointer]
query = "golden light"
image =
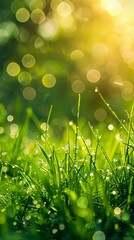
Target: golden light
[
  {"x": 100, "y": 52},
  {"x": 48, "y": 29},
  {"x": 93, "y": 75},
  {"x": 113, "y": 7},
  {"x": 28, "y": 60},
  {"x": 49, "y": 80},
  {"x": 25, "y": 78},
  {"x": 65, "y": 9},
  {"x": 37, "y": 16},
  {"x": 13, "y": 69},
  {"x": 22, "y": 15}
]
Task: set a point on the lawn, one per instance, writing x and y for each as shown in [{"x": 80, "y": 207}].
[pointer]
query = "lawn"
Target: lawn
[{"x": 77, "y": 187}]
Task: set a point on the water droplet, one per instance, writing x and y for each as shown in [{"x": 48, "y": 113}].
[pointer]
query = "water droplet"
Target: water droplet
[
  {"x": 96, "y": 89},
  {"x": 117, "y": 211},
  {"x": 4, "y": 153},
  {"x": 110, "y": 127},
  {"x": 91, "y": 174},
  {"x": 115, "y": 160}
]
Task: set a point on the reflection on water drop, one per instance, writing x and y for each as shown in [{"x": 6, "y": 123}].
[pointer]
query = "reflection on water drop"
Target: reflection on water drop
[
  {"x": 110, "y": 127},
  {"x": 117, "y": 211},
  {"x": 10, "y": 118}
]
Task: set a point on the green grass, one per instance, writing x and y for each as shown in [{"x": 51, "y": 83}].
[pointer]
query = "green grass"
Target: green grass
[{"x": 81, "y": 187}]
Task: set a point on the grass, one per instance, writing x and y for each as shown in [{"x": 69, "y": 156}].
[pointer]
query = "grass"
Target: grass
[{"x": 79, "y": 188}]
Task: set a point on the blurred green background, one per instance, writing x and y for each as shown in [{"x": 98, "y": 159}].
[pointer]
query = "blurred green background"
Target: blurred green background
[{"x": 51, "y": 50}]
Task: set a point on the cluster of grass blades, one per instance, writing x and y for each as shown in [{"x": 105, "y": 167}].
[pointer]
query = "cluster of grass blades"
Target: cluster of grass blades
[{"x": 82, "y": 190}]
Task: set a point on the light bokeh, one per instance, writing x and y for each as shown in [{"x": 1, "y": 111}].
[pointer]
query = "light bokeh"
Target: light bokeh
[{"x": 70, "y": 47}]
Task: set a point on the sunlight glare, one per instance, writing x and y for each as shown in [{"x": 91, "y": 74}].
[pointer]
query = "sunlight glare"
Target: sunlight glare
[
  {"x": 113, "y": 7},
  {"x": 48, "y": 29},
  {"x": 65, "y": 8}
]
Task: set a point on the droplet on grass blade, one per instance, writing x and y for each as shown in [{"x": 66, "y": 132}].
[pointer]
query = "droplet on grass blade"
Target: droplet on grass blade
[
  {"x": 118, "y": 138},
  {"x": 110, "y": 127},
  {"x": 96, "y": 89},
  {"x": 117, "y": 211},
  {"x": 91, "y": 174},
  {"x": 4, "y": 153},
  {"x": 114, "y": 192},
  {"x": 70, "y": 123},
  {"x": 115, "y": 160}
]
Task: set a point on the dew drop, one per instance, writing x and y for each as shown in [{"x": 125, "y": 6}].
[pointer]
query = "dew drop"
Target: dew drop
[
  {"x": 117, "y": 211},
  {"x": 96, "y": 89}
]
